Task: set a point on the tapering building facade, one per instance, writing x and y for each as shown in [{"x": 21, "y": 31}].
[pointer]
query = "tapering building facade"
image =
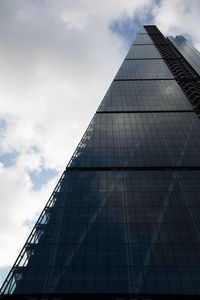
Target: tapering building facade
[{"x": 124, "y": 219}]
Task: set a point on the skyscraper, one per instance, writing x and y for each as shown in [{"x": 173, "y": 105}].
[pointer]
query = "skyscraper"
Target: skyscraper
[{"x": 124, "y": 218}]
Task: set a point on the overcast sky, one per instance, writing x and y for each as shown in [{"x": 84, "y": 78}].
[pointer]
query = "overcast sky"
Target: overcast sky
[{"x": 57, "y": 59}]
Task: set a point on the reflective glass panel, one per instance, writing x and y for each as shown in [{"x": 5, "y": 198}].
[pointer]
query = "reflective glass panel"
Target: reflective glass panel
[
  {"x": 191, "y": 54},
  {"x": 119, "y": 232},
  {"x": 144, "y": 96},
  {"x": 144, "y": 139},
  {"x": 144, "y": 69},
  {"x": 143, "y": 39},
  {"x": 142, "y": 30},
  {"x": 143, "y": 51}
]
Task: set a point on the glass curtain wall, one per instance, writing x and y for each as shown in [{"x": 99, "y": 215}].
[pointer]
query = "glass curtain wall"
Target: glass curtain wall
[{"x": 125, "y": 215}]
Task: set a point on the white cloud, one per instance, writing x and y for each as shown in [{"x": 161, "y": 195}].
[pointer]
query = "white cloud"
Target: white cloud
[
  {"x": 179, "y": 17},
  {"x": 57, "y": 59}
]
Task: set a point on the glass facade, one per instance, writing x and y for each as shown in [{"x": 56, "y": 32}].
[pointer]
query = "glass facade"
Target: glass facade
[
  {"x": 119, "y": 232},
  {"x": 124, "y": 219},
  {"x": 146, "y": 95},
  {"x": 139, "y": 51},
  {"x": 191, "y": 54},
  {"x": 143, "y": 39},
  {"x": 144, "y": 69},
  {"x": 140, "y": 139}
]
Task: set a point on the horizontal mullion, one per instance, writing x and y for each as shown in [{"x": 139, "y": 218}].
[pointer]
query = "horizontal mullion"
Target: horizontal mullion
[
  {"x": 142, "y": 44},
  {"x": 150, "y": 58},
  {"x": 143, "y": 79},
  {"x": 144, "y": 111},
  {"x": 152, "y": 168}
]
